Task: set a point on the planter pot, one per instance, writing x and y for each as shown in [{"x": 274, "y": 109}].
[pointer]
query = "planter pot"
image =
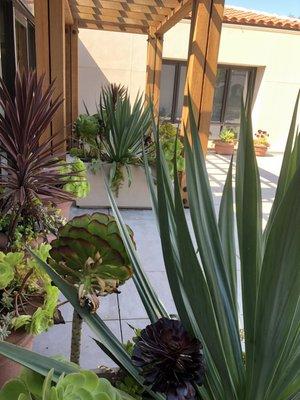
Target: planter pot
[
  {"x": 260, "y": 150},
  {"x": 224, "y": 148},
  {"x": 8, "y": 368},
  {"x": 134, "y": 196},
  {"x": 64, "y": 209}
]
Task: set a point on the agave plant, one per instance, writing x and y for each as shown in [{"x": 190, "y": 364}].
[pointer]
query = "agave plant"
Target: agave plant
[
  {"x": 81, "y": 385},
  {"x": 30, "y": 175},
  {"x": 124, "y": 129},
  {"x": 89, "y": 253},
  {"x": 202, "y": 271}
]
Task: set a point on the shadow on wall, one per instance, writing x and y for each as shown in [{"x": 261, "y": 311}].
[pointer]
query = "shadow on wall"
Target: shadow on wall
[{"x": 91, "y": 79}]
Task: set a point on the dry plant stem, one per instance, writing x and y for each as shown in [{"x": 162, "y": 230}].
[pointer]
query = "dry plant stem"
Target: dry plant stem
[{"x": 76, "y": 337}]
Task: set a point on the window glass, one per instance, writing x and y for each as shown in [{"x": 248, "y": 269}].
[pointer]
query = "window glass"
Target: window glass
[
  {"x": 236, "y": 91},
  {"x": 166, "y": 90},
  {"x": 21, "y": 46},
  {"x": 219, "y": 95},
  {"x": 180, "y": 93}
]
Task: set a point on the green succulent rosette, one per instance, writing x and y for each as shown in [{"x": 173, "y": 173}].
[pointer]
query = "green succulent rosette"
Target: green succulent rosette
[
  {"x": 82, "y": 385},
  {"x": 89, "y": 253}
]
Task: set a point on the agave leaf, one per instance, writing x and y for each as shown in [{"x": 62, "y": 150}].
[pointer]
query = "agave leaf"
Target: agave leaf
[
  {"x": 226, "y": 229},
  {"x": 288, "y": 166},
  {"x": 152, "y": 304},
  {"x": 36, "y": 362},
  {"x": 278, "y": 310},
  {"x": 249, "y": 224},
  {"x": 104, "y": 335}
]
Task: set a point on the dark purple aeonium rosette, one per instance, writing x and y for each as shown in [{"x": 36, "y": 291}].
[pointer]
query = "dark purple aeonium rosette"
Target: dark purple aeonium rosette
[{"x": 171, "y": 361}]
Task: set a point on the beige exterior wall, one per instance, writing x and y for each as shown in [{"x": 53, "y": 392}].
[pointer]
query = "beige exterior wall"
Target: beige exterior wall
[{"x": 118, "y": 57}]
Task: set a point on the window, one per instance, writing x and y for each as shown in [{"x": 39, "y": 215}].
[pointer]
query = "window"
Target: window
[
  {"x": 232, "y": 84},
  {"x": 172, "y": 89}
]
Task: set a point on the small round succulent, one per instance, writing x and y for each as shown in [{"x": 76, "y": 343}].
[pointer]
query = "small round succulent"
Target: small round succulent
[
  {"x": 89, "y": 253},
  {"x": 171, "y": 361}
]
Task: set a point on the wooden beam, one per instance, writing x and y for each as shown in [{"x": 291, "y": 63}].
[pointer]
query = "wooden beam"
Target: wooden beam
[
  {"x": 69, "y": 20},
  {"x": 113, "y": 27},
  {"x": 50, "y": 50},
  {"x": 154, "y": 64},
  {"x": 206, "y": 25},
  {"x": 176, "y": 15},
  {"x": 71, "y": 77},
  {"x": 205, "y": 36}
]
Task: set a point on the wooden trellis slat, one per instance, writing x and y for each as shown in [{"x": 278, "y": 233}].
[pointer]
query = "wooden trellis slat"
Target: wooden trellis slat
[
  {"x": 108, "y": 5},
  {"x": 87, "y": 11},
  {"x": 113, "y": 27},
  {"x": 150, "y": 3},
  {"x": 117, "y": 20}
]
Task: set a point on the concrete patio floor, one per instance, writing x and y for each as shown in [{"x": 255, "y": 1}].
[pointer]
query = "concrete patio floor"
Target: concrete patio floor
[{"x": 120, "y": 311}]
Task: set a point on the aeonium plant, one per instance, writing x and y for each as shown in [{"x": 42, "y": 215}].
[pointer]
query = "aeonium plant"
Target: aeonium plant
[
  {"x": 77, "y": 184},
  {"x": 80, "y": 385},
  {"x": 90, "y": 255},
  {"x": 28, "y": 301},
  {"x": 30, "y": 179}
]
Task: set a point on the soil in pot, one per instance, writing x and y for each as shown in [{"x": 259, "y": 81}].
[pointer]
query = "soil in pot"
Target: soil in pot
[
  {"x": 224, "y": 148},
  {"x": 8, "y": 368},
  {"x": 260, "y": 150}
]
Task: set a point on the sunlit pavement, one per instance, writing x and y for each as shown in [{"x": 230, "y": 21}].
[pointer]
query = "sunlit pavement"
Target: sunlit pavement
[{"x": 120, "y": 311}]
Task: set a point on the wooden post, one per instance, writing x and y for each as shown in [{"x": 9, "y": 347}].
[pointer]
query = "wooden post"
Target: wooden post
[
  {"x": 206, "y": 25},
  {"x": 50, "y": 50},
  {"x": 71, "y": 77},
  {"x": 154, "y": 64}
]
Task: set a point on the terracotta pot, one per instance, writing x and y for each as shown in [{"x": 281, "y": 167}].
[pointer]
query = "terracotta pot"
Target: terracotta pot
[
  {"x": 8, "y": 368},
  {"x": 65, "y": 209},
  {"x": 260, "y": 150},
  {"x": 224, "y": 148}
]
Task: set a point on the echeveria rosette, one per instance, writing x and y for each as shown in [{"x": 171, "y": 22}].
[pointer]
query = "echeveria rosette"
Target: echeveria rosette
[
  {"x": 171, "y": 361},
  {"x": 90, "y": 254},
  {"x": 83, "y": 385}
]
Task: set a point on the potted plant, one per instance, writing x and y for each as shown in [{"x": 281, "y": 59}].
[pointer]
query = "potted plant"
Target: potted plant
[
  {"x": 27, "y": 302},
  {"x": 225, "y": 145},
  {"x": 122, "y": 127},
  {"x": 261, "y": 143},
  {"x": 172, "y": 147},
  {"x": 76, "y": 183}
]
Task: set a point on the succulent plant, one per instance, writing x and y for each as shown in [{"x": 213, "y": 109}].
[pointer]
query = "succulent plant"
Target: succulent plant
[
  {"x": 87, "y": 126},
  {"x": 90, "y": 254},
  {"x": 171, "y": 361},
  {"x": 82, "y": 385}
]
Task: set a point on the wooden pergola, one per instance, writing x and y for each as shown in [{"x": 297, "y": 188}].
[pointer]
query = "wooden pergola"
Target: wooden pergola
[{"x": 57, "y": 23}]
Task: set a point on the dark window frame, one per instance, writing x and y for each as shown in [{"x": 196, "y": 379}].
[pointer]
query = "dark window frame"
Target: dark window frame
[
  {"x": 250, "y": 89},
  {"x": 229, "y": 67},
  {"x": 177, "y": 64}
]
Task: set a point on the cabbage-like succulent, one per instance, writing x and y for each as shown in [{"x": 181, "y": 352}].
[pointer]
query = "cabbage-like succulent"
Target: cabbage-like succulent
[
  {"x": 83, "y": 385},
  {"x": 89, "y": 253},
  {"x": 76, "y": 184}
]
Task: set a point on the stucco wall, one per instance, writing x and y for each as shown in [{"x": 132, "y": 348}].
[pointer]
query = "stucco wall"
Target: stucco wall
[{"x": 118, "y": 57}]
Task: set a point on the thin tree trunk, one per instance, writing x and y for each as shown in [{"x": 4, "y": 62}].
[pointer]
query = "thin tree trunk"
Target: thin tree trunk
[{"x": 76, "y": 337}]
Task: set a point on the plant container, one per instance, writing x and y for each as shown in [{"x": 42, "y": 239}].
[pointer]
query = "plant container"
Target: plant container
[
  {"x": 260, "y": 150},
  {"x": 135, "y": 195},
  {"x": 8, "y": 368},
  {"x": 224, "y": 148}
]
